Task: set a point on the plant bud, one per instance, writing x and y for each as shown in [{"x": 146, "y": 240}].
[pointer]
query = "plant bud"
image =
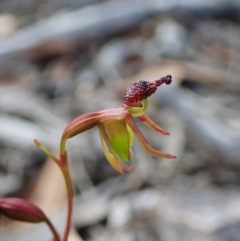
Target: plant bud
[{"x": 21, "y": 210}]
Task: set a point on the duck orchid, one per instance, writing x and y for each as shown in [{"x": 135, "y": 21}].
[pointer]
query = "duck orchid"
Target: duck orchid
[{"x": 117, "y": 126}]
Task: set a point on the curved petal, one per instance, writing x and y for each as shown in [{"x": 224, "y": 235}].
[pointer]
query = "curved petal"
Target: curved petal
[
  {"x": 81, "y": 124},
  {"x": 89, "y": 120},
  {"x": 144, "y": 143}
]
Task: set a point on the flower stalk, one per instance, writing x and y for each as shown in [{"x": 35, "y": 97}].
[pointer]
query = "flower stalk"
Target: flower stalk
[{"x": 62, "y": 163}]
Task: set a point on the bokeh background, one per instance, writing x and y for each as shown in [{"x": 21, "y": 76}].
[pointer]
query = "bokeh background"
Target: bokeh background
[{"x": 60, "y": 59}]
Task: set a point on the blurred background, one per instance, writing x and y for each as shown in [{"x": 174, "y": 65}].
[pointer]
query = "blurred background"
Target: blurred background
[{"x": 60, "y": 59}]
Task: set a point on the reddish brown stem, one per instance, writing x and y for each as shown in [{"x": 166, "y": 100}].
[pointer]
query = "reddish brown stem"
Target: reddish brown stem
[
  {"x": 67, "y": 178},
  {"x": 53, "y": 230}
]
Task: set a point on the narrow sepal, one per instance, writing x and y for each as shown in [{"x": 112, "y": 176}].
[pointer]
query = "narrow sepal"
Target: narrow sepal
[
  {"x": 144, "y": 143},
  {"x": 148, "y": 122}
]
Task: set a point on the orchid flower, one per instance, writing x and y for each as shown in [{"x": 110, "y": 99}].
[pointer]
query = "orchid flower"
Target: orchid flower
[{"x": 117, "y": 126}]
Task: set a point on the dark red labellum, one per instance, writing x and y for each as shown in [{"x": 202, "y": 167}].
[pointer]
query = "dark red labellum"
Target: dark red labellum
[{"x": 143, "y": 89}]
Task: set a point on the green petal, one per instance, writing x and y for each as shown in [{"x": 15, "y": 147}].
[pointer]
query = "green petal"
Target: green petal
[
  {"x": 118, "y": 138},
  {"x": 117, "y": 164}
]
